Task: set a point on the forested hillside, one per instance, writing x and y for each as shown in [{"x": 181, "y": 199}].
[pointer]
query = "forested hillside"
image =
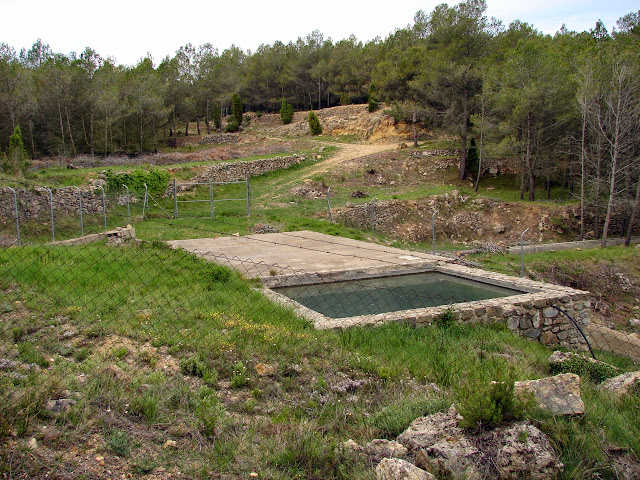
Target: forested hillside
[{"x": 561, "y": 108}]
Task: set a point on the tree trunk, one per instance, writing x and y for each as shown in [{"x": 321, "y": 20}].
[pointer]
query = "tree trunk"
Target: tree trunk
[
  {"x": 186, "y": 128},
  {"x": 141, "y": 120},
  {"x": 415, "y": 129},
  {"x": 462, "y": 169},
  {"x": 634, "y": 213},
  {"x": 73, "y": 145},
  {"x": 198, "y": 124},
  {"x": 206, "y": 119},
  {"x": 582, "y": 170}
]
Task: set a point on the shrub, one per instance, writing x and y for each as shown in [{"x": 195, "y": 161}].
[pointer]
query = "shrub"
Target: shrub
[
  {"x": 446, "y": 318},
  {"x": 314, "y": 124},
  {"x": 232, "y": 126},
  {"x": 157, "y": 180},
  {"x": 16, "y": 157},
  {"x": 119, "y": 442},
  {"x": 487, "y": 405},
  {"x": 286, "y": 112},
  {"x": 596, "y": 371},
  {"x": 239, "y": 376}
]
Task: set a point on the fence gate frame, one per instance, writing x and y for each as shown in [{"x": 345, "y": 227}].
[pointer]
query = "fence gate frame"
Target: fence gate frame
[{"x": 211, "y": 200}]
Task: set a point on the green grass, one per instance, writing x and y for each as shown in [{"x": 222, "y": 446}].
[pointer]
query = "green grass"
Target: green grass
[{"x": 126, "y": 305}]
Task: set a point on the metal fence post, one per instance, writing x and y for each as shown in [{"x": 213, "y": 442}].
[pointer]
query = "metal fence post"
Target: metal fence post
[
  {"x": 248, "y": 197},
  {"x": 15, "y": 213},
  {"x": 146, "y": 200},
  {"x": 433, "y": 230},
  {"x": 522, "y": 253},
  {"x": 373, "y": 220},
  {"x": 80, "y": 210},
  {"x": 175, "y": 199},
  {"x": 329, "y": 205},
  {"x": 211, "y": 198},
  {"x": 53, "y": 231},
  {"x": 128, "y": 207},
  {"x": 104, "y": 208}
]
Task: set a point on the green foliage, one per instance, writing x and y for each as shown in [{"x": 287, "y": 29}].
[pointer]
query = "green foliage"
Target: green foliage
[
  {"x": 30, "y": 354},
  {"x": 216, "y": 116},
  {"x": 488, "y": 404},
  {"x": 157, "y": 180},
  {"x": 596, "y": 371},
  {"x": 473, "y": 161},
  {"x": 239, "y": 375},
  {"x": 314, "y": 124},
  {"x": 236, "y": 108},
  {"x": 286, "y": 112},
  {"x": 15, "y": 160},
  {"x": 119, "y": 442},
  {"x": 446, "y": 318},
  {"x": 345, "y": 99},
  {"x": 373, "y": 100},
  {"x": 232, "y": 126},
  {"x": 391, "y": 421},
  {"x": 195, "y": 366},
  {"x": 209, "y": 410}
]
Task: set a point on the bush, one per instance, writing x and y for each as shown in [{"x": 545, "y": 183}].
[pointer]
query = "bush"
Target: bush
[
  {"x": 15, "y": 160},
  {"x": 157, "y": 180},
  {"x": 232, "y": 126},
  {"x": 391, "y": 421},
  {"x": 597, "y": 371},
  {"x": 314, "y": 124},
  {"x": 487, "y": 405},
  {"x": 286, "y": 112}
]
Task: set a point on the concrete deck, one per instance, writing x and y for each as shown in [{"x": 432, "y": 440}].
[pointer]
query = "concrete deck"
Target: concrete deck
[{"x": 308, "y": 252}]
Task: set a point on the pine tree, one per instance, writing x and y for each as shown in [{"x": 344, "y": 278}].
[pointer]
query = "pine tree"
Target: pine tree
[
  {"x": 286, "y": 112},
  {"x": 217, "y": 117},
  {"x": 314, "y": 124},
  {"x": 16, "y": 155},
  {"x": 236, "y": 108},
  {"x": 373, "y": 101}
]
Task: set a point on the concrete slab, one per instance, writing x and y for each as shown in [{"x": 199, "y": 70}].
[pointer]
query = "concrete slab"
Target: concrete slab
[{"x": 303, "y": 251}]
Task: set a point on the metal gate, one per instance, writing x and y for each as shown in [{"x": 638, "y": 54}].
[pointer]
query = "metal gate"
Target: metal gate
[{"x": 211, "y": 200}]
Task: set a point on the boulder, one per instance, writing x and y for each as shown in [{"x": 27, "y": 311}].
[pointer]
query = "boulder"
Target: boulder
[
  {"x": 398, "y": 469},
  {"x": 622, "y": 384},
  {"x": 524, "y": 452},
  {"x": 426, "y": 431},
  {"x": 559, "y": 394},
  {"x": 379, "y": 449},
  {"x": 453, "y": 457}
]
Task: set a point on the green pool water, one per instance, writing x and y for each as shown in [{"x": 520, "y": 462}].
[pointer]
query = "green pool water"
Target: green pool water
[{"x": 389, "y": 294}]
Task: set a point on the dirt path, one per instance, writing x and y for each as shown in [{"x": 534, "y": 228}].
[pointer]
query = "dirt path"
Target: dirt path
[{"x": 347, "y": 152}]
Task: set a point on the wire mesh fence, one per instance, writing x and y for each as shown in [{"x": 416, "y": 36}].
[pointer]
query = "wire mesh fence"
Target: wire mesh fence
[{"x": 132, "y": 358}]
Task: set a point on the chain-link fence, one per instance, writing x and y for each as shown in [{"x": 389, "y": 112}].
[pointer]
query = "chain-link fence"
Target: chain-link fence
[{"x": 123, "y": 358}]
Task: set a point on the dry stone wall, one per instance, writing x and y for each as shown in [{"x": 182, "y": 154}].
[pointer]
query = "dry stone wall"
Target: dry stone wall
[
  {"x": 234, "y": 171},
  {"x": 34, "y": 202}
]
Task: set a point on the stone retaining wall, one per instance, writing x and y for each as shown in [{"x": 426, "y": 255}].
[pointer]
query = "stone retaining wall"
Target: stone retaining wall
[
  {"x": 34, "y": 203},
  {"x": 234, "y": 171},
  {"x": 219, "y": 138}
]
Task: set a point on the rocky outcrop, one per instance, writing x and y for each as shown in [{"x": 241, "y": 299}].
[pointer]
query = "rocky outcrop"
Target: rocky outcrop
[
  {"x": 560, "y": 394},
  {"x": 625, "y": 384},
  {"x": 442, "y": 448},
  {"x": 397, "y": 469}
]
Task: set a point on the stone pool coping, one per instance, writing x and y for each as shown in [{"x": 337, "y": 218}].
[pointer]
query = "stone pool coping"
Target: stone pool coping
[{"x": 530, "y": 313}]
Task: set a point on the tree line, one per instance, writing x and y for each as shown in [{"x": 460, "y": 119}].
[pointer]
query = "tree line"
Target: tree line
[{"x": 562, "y": 108}]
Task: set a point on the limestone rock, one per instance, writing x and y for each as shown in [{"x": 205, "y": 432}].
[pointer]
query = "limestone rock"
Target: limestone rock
[
  {"x": 60, "y": 405},
  {"x": 453, "y": 457},
  {"x": 426, "y": 431},
  {"x": 398, "y": 469},
  {"x": 379, "y": 449},
  {"x": 350, "y": 447},
  {"x": 170, "y": 444},
  {"x": 634, "y": 322},
  {"x": 264, "y": 369},
  {"x": 524, "y": 452},
  {"x": 622, "y": 384},
  {"x": 559, "y": 394}
]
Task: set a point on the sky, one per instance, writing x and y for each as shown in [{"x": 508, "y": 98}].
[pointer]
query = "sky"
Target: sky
[{"x": 128, "y": 30}]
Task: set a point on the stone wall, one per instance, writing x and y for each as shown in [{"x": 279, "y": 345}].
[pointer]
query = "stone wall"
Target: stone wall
[
  {"x": 219, "y": 138},
  {"x": 34, "y": 202},
  {"x": 234, "y": 171}
]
